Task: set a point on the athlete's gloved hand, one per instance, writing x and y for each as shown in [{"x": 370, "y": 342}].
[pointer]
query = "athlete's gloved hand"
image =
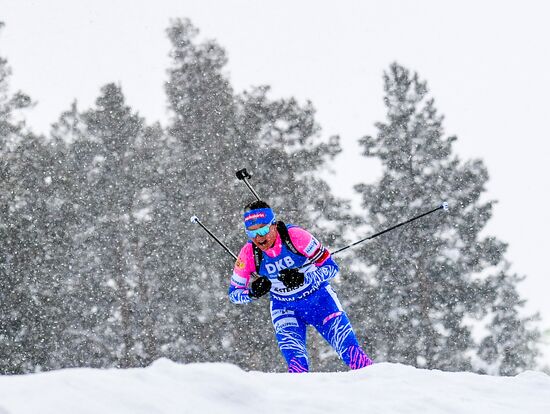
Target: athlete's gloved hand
[
  {"x": 259, "y": 287},
  {"x": 291, "y": 278}
]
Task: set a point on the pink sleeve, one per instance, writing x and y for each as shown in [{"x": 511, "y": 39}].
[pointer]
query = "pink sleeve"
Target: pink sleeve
[
  {"x": 308, "y": 245},
  {"x": 244, "y": 266}
]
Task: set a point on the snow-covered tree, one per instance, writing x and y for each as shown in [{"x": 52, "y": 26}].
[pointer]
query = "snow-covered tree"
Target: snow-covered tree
[
  {"x": 509, "y": 346},
  {"x": 31, "y": 234},
  {"x": 427, "y": 280},
  {"x": 215, "y": 132},
  {"x": 110, "y": 174}
]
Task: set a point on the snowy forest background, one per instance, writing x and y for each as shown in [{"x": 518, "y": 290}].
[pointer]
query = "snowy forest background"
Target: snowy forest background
[{"x": 101, "y": 267}]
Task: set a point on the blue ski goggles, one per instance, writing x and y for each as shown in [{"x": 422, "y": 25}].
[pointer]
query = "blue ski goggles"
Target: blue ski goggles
[{"x": 262, "y": 231}]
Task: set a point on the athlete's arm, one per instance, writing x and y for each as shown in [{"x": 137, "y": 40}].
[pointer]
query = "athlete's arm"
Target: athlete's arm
[
  {"x": 240, "y": 280},
  {"x": 324, "y": 267}
]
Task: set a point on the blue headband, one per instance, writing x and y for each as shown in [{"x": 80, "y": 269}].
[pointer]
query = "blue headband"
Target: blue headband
[{"x": 258, "y": 216}]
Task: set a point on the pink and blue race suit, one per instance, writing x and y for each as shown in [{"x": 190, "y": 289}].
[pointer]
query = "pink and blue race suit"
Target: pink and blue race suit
[{"x": 313, "y": 303}]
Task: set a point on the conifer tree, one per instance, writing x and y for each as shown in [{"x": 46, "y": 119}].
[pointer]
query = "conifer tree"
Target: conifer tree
[
  {"x": 31, "y": 235},
  {"x": 426, "y": 278},
  {"x": 509, "y": 345},
  {"x": 215, "y": 132},
  {"x": 107, "y": 163}
]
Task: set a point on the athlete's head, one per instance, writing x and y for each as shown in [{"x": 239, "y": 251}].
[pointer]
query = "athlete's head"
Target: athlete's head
[{"x": 259, "y": 223}]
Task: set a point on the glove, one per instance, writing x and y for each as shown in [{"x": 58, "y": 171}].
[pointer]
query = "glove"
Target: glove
[
  {"x": 291, "y": 278},
  {"x": 259, "y": 287}
]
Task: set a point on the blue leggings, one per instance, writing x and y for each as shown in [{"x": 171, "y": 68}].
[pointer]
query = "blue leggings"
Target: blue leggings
[{"x": 323, "y": 311}]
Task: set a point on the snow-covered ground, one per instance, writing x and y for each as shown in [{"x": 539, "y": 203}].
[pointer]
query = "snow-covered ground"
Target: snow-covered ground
[{"x": 166, "y": 387}]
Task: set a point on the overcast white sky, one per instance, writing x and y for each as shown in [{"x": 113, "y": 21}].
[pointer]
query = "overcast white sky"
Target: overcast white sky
[{"x": 487, "y": 64}]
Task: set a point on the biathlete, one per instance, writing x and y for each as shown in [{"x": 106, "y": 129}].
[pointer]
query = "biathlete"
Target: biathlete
[{"x": 295, "y": 269}]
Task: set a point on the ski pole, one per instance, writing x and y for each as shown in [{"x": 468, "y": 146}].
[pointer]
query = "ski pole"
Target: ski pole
[
  {"x": 243, "y": 175},
  {"x": 444, "y": 206},
  {"x": 196, "y": 220}
]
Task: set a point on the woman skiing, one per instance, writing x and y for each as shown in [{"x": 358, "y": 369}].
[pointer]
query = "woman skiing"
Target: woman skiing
[{"x": 295, "y": 269}]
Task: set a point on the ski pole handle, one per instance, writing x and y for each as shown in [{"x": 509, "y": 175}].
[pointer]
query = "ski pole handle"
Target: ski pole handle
[{"x": 243, "y": 175}]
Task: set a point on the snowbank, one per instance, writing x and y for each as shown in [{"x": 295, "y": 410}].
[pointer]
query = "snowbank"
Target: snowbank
[{"x": 166, "y": 387}]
